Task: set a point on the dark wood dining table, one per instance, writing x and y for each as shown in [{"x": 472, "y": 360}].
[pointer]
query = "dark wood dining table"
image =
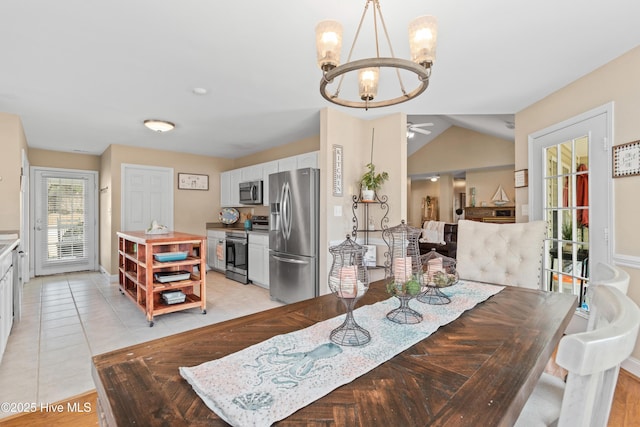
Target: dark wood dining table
[{"x": 476, "y": 371}]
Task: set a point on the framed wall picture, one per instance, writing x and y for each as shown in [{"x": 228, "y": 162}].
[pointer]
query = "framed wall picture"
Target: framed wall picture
[
  {"x": 626, "y": 159},
  {"x": 521, "y": 178},
  {"x": 192, "y": 181}
]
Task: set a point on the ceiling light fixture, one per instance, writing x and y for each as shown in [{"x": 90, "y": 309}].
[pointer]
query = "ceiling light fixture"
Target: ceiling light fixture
[
  {"x": 159, "y": 125},
  {"x": 434, "y": 178},
  {"x": 422, "y": 43}
]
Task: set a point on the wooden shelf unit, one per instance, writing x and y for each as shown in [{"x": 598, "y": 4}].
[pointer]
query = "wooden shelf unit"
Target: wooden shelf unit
[{"x": 137, "y": 267}]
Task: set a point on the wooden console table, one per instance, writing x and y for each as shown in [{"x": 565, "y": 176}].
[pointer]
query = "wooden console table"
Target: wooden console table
[
  {"x": 138, "y": 267},
  {"x": 477, "y": 370},
  {"x": 499, "y": 214}
]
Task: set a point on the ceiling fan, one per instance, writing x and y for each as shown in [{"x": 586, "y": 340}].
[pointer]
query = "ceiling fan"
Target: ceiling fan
[{"x": 412, "y": 129}]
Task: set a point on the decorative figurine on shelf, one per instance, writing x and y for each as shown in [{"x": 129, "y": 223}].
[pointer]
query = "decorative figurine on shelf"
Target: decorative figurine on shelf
[
  {"x": 156, "y": 228},
  {"x": 349, "y": 280},
  {"x": 439, "y": 272},
  {"x": 404, "y": 279}
]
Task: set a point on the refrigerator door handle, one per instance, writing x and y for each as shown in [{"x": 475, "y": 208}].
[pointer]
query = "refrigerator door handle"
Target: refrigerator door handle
[
  {"x": 286, "y": 211},
  {"x": 289, "y": 260}
]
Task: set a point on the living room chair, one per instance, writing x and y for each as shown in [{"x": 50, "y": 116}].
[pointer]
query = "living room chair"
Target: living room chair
[
  {"x": 506, "y": 254},
  {"x": 593, "y": 360}
]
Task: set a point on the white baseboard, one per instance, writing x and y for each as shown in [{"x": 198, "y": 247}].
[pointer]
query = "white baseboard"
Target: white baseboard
[
  {"x": 113, "y": 278},
  {"x": 632, "y": 365}
]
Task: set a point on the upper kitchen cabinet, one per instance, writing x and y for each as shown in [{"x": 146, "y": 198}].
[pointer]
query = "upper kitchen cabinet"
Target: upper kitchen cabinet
[
  {"x": 229, "y": 187},
  {"x": 230, "y": 180},
  {"x": 252, "y": 173},
  {"x": 308, "y": 160},
  {"x": 267, "y": 169}
]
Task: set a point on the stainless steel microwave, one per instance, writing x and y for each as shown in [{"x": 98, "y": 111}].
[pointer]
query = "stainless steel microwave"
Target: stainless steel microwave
[{"x": 251, "y": 193}]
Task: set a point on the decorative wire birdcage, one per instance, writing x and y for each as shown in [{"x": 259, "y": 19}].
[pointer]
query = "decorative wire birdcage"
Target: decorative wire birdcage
[
  {"x": 439, "y": 272},
  {"x": 404, "y": 278},
  {"x": 349, "y": 281}
]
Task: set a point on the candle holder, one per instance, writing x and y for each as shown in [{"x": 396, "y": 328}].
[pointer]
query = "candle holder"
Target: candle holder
[
  {"x": 439, "y": 272},
  {"x": 349, "y": 281},
  {"x": 404, "y": 278}
]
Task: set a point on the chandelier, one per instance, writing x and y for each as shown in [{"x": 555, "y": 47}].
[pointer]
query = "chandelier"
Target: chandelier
[{"x": 422, "y": 43}]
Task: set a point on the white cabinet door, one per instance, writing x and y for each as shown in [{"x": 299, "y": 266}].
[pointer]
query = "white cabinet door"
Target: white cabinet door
[
  {"x": 267, "y": 169},
  {"x": 308, "y": 160},
  {"x": 216, "y": 250},
  {"x": 259, "y": 259},
  {"x": 234, "y": 186},
  {"x": 255, "y": 263},
  {"x": 252, "y": 173},
  {"x": 225, "y": 189},
  {"x": 288, "y": 164}
]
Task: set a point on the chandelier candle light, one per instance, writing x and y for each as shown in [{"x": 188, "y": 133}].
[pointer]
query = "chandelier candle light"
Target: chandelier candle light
[{"x": 422, "y": 43}]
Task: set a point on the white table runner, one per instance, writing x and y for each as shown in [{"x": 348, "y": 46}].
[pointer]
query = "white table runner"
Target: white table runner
[{"x": 271, "y": 380}]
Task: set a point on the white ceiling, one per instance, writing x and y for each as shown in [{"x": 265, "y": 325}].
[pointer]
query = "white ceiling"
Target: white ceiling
[{"x": 84, "y": 74}]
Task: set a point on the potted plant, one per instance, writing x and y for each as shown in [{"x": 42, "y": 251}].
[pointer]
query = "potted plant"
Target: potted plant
[
  {"x": 371, "y": 181},
  {"x": 567, "y": 234}
]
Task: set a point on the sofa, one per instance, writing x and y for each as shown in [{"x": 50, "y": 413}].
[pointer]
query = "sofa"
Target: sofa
[{"x": 450, "y": 246}]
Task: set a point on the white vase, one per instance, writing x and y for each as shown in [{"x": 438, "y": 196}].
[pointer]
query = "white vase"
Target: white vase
[{"x": 368, "y": 195}]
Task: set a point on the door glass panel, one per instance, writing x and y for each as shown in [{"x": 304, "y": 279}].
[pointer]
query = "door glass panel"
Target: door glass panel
[{"x": 567, "y": 212}]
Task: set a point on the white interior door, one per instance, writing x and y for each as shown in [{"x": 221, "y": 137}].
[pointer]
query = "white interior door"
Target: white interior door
[
  {"x": 65, "y": 216},
  {"x": 147, "y": 195},
  {"x": 570, "y": 189}
]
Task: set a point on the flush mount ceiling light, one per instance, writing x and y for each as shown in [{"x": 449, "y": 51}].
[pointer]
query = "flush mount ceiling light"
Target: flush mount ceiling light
[
  {"x": 422, "y": 42},
  {"x": 159, "y": 125}
]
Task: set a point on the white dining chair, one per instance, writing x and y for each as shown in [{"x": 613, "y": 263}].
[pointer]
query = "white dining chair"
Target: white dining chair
[
  {"x": 506, "y": 254},
  {"x": 593, "y": 360},
  {"x": 602, "y": 274}
]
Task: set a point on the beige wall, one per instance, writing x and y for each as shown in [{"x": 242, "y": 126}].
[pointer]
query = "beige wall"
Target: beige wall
[
  {"x": 354, "y": 135},
  {"x": 63, "y": 160},
  {"x": 461, "y": 149},
  {"x": 486, "y": 183},
  {"x": 487, "y": 160},
  {"x": 616, "y": 81},
  {"x": 12, "y": 142},
  {"x": 420, "y": 189},
  {"x": 192, "y": 208}
]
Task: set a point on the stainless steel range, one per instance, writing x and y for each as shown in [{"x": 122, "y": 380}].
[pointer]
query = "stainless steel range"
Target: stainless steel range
[{"x": 237, "y": 256}]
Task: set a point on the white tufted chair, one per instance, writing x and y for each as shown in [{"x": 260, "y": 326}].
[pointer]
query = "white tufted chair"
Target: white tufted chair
[
  {"x": 506, "y": 254},
  {"x": 593, "y": 360}
]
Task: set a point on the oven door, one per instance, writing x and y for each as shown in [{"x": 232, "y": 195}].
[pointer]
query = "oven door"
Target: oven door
[{"x": 237, "y": 255}]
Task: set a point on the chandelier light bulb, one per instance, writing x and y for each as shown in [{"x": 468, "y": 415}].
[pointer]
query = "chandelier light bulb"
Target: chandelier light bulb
[
  {"x": 368, "y": 83},
  {"x": 423, "y": 34},
  {"x": 328, "y": 44}
]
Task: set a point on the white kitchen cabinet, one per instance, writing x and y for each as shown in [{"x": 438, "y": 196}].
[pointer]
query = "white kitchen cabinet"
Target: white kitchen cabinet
[
  {"x": 267, "y": 169},
  {"x": 6, "y": 301},
  {"x": 288, "y": 164},
  {"x": 259, "y": 259},
  {"x": 251, "y": 173},
  {"x": 307, "y": 160},
  {"x": 216, "y": 250},
  {"x": 229, "y": 187},
  {"x": 225, "y": 189},
  {"x": 230, "y": 180}
]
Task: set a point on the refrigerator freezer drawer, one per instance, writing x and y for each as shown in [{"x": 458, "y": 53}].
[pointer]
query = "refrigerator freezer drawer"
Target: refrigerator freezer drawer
[{"x": 292, "y": 278}]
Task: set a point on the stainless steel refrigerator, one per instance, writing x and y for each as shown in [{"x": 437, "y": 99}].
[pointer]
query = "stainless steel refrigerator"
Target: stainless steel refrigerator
[{"x": 294, "y": 209}]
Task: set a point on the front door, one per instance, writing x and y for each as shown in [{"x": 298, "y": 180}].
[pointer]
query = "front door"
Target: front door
[{"x": 65, "y": 215}]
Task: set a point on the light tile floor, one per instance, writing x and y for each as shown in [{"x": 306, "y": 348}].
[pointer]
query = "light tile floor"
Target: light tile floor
[{"x": 68, "y": 318}]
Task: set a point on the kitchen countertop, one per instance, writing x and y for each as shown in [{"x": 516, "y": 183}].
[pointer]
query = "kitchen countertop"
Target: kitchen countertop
[{"x": 7, "y": 245}]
